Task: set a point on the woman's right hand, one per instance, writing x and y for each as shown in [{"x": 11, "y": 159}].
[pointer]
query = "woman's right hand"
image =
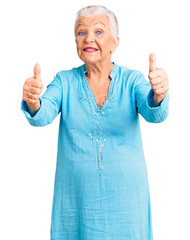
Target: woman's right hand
[{"x": 32, "y": 89}]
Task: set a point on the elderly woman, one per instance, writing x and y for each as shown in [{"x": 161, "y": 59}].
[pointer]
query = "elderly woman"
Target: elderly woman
[{"x": 101, "y": 189}]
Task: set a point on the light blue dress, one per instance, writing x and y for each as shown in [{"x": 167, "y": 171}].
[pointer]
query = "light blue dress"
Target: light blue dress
[{"x": 101, "y": 189}]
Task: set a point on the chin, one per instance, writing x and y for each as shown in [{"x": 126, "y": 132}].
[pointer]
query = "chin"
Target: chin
[{"x": 89, "y": 60}]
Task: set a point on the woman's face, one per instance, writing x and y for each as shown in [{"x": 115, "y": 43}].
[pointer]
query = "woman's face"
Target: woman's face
[{"x": 95, "y": 43}]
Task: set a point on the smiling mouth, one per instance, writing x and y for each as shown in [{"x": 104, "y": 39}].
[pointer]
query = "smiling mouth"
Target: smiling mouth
[{"x": 90, "y": 49}]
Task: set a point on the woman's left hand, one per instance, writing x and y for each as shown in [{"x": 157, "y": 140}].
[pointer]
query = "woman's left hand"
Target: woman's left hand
[{"x": 158, "y": 79}]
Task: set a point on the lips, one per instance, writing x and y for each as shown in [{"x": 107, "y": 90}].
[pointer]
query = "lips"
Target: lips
[{"x": 90, "y": 49}]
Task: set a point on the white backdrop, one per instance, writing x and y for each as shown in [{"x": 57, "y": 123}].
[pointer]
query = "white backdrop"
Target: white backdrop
[{"x": 42, "y": 31}]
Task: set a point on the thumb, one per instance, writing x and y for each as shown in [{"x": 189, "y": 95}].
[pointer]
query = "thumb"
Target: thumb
[
  {"x": 37, "y": 71},
  {"x": 152, "y": 62}
]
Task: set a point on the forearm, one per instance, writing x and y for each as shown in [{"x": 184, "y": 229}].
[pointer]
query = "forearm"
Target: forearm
[
  {"x": 44, "y": 116},
  {"x": 153, "y": 111}
]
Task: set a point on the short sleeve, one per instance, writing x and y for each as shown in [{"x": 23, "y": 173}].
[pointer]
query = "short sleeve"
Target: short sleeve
[{"x": 51, "y": 103}]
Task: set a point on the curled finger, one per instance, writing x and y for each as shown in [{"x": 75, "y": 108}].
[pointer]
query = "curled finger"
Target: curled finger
[
  {"x": 157, "y": 86},
  {"x": 155, "y": 80},
  {"x": 35, "y": 90},
  {"x": 33, "y": 96}
]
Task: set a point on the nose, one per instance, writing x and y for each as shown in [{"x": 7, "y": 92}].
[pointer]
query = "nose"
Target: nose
[{"x": 89, "y": 37}]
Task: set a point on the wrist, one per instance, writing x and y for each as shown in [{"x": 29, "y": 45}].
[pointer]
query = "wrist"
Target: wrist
[
  {"x": 158, "y": 98},
  {"x": 33, "y": 107}
]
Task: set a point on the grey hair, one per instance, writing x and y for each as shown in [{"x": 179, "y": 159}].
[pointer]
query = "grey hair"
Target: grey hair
[{"x": 99, "y": 10}]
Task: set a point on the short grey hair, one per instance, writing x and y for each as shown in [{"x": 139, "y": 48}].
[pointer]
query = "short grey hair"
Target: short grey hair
[{"x": 99, "y": 10}]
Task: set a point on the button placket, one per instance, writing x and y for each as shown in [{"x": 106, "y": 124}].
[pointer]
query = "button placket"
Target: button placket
[{"x": 98, "y": 134}]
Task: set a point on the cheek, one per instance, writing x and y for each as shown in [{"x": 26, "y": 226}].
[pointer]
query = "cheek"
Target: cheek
[
  {"x": 79, "y": 47},
  {"x": 105, "y": 44},
  {"x": 78, "y": 43}
]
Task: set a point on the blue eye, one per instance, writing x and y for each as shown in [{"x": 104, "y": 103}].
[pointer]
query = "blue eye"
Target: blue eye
[
  {"x": 99, "y": 32},
  {"x": 81, "y": 33}
]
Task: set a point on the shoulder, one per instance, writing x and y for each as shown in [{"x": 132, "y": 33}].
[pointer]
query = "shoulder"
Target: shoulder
[
  {"x": 69, "y": 75},
  {"x": 130, "y": 76},
  {"x": 75, "y": 71},
  {"x": 128, "y": 72}
]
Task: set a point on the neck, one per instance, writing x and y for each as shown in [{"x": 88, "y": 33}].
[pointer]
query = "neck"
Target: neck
[{"x": 99, "y": 72}]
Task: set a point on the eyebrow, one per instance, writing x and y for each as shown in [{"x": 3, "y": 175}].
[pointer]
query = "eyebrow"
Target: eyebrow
[
  {"x": 85, "y": 24},
  {"x": 80, "y": 24}
]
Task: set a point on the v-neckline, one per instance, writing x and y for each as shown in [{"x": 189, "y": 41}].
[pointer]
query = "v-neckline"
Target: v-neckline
[{"x": 91, "y": 98}]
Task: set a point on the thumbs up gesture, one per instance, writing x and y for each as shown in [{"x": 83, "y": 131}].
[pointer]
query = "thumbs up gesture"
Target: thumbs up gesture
[
  {"x": 32, "y": 89},
  {"x": 158, "y": 79}
]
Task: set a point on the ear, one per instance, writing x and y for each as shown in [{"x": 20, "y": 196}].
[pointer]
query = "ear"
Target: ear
[{"x": 115, "y": 44}]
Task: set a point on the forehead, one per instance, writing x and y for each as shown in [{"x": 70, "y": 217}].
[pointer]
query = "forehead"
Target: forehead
[{"x": 93, "y": 20}]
